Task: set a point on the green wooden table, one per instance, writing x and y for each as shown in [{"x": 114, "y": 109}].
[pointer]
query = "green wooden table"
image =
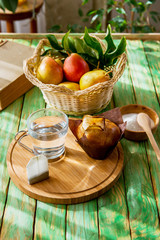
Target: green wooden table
[{"x": 130, "y": 209}]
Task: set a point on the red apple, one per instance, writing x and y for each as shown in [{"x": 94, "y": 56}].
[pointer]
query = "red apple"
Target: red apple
[
  {"x": 49, "y": 71},
  {"x": 74, "y": 67}
]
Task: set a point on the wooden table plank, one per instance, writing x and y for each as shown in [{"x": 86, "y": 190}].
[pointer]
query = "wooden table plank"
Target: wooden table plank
[
  {"x": 152, "y": 51},
  {"x": 50, "y": 221},
  {"x": 9, "y": 126},
  {"x": 140, "y": 196},
  {"x": 113, "y": 213},
  {"x": 141, "y": 75},
  {"x": 20, "y": 209},
  {"x": 112, "y": 207},
  {"x": 9, "y": 120},
  {"x": 82, "y": 221}
]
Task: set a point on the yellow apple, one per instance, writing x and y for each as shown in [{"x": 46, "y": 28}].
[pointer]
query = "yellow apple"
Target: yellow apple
[
  {"x": 49, "y": 71},
  {"x": 92, "y": 77}
]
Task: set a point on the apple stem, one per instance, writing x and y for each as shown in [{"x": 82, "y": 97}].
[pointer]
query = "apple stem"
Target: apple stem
[
  {"x": 68, "y": 53},
  {"x": 98, "y": 64}
]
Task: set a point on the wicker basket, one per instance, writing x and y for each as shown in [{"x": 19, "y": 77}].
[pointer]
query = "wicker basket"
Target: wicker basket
[{"x": 88, "y": 101}]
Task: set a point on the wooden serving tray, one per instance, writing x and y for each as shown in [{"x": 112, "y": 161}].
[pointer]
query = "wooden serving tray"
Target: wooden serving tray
[{"x": 73, "y": 179}]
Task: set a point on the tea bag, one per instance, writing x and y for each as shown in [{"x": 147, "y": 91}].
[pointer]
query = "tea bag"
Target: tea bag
[{"x": 37, "y": 169}]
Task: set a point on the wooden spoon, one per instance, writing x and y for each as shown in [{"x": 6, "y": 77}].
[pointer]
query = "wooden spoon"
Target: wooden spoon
[{"x": 145, "y": 122}]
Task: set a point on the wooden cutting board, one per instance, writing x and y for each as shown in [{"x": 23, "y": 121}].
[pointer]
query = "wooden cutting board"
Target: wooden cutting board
[
  {"x": 73, "y": 179},
  {"x": 13, "y": 82}
]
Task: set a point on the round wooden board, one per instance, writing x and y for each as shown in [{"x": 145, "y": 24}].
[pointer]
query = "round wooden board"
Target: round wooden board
[{"x": 73, "y": 179}]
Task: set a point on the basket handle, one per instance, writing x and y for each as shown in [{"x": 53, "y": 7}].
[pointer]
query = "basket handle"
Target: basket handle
[
  {"x": 37, "y": 51},
  {"x": 120, "y": 66}
]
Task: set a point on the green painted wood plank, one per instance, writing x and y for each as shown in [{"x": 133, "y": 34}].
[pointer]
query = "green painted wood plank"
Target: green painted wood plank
[
  {"x": 19, "y": 211},
  {"x": 18, "y": 217},
  {"x": 141, "y": 75},
  {"x": 50, "y": 221},
  {"x": 9, "y": 120},
  {"x": 22, "y": 41},
  {"x": 82, "y": 221},
  {"x": 143, "y": 214},
  {"x": 9, "y": 126},
  {"x": 35, "y": 42},
  {"x": 113, "y": 214},
  {"x": 112, "y": 207},
  {"x": 152, "y": 51},
  {"x": 142, "y": 207}
]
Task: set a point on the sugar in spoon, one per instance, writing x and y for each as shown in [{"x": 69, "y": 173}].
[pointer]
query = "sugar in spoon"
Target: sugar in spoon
[{"x": 145, "y": 122}]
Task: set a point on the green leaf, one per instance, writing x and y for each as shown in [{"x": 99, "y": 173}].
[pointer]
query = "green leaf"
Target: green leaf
[
  {"x": 91, "y": 12},
  {"x": 47, "y": 52},
  {"x": 98, "y": 26},
  {"x": 85, "y": 19},
  {"x": 100, "y": 12},
  {"x": 141, "y": 7},
  {"x": 91, "y": 30},
  {"x": 110, "y": 57},
  {"x": 149, "y": 3},
  {"x": 68, "y": 43},
  {"x": 93, "y": 43},
  {"x": 108, "y": 38},
  {"x": 153, "y": 1},
  {"x": 111, "y": 2},
  {"x": 121, "y": 10},
  {"x": 93, "y": 62},
  {"x": 94, "y": 18},
  {"x": 54, "y": 43},
  {"x": 154, "y": 13},
  {"x": 10, "y": 4},
  {"x": 2, "y": 5},
  {"x": 154, "y": 18},
  {"x": 62, "y": 53},
  {"x": 56, "y": 53},
  {"x": 133, "y": 2},
  {"x": 109, "y": 9},
  {"x": 81, "y": 47},
  {"x": 80, "y": 12},
  {"x": 55, "y": 28},
  {"x": 65, "y": 40},
  {"x": 71, "y": 44},
  {"x": 84, "y": 2}
]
